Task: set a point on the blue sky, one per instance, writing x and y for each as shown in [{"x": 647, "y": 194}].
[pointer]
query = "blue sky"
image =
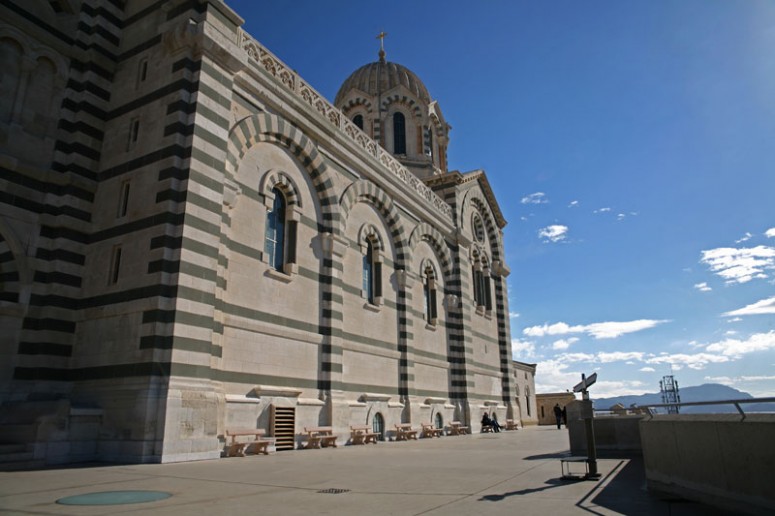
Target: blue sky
[{"x": 631, "y": 146}]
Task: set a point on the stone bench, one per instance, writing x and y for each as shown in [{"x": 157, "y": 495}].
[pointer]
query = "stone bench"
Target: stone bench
[
  {"x": 238, "y": 448},
  {"x": 430, "y": 430},
  {"x": 404, "y": 432},
  {"x": 362, "y": 434},
  {"x": 320, "y": 436}
]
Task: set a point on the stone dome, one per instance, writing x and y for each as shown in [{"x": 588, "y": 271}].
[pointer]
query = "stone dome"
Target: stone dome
[{"x": 381, "y": 76}]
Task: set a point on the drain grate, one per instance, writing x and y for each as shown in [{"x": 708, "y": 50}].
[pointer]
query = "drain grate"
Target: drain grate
[{"x": 334, "y": 490}]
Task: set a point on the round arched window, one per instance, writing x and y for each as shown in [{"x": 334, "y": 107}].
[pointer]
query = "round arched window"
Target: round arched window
[
  {"x": 378, "y": 426},
  {"x": 438, "y": 421},
  {"x": 478, "y": 228}
]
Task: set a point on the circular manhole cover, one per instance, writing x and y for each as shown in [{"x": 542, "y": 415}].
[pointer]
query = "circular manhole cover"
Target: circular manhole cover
[{"x": 114, "y": 498}]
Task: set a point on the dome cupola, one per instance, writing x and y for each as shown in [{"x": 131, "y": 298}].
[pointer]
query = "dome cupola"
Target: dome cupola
[{"x": 392, "y": 105}]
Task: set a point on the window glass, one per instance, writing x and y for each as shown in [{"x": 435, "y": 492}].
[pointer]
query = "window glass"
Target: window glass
[
  {"x": 399, "y": 133},
  {"x": 274, "y": 240},
  {"x": 368, "y": 272},
  {"x": 378, "y": 426}
]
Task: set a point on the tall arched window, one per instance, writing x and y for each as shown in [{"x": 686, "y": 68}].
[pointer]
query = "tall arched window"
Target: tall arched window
[
  {"x": 399, "y": 133},
  {"x": 274, "y": 240},
  {"x": 429, "y": 296},
  {"x": 439, "y": 420},
  {"x": 378, "y": 426},
  {"x": 527, "y": 399},
  {"x": 372, "y": 270},
  {"x": 358, "y": 120}
]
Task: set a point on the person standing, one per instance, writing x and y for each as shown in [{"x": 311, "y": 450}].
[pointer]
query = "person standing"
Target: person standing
[{"x": 558, "y": 415}]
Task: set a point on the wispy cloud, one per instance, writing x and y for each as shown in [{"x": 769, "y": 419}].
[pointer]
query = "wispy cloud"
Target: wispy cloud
[
  {"x": 554, "y": 233},
  {"x": 770, "y": 233},
  {"x": 563, "y": 344},
  {"x": 647, "y": 369},
  {"x": 575, "y": 204},
  {"x": 535, "y": 198},
  {"x": 602, "y": 210},
  {"x": 744, "y": 238},
  {"x": 522, "y": 349},
  {"x": 740, "y": 265},
  {"x": 603, "y": 330},
  {"x": 702, "y": 287},
  {"x": 513, "y": 315},
  {"x": 765, "y": 306},
  {"x": 736, "y": 347}
]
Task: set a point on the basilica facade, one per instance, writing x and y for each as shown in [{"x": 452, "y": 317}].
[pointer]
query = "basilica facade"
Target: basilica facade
[{"x": 193, "y": 239}]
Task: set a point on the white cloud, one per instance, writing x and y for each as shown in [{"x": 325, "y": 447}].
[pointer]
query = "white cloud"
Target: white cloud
[
  {"x": 564, "y": 343},
  {"x": 522, "y": 349},
  {"x": 513, "y": 315},
  {"x": 765, "y": 306},
  {"x": 574, "y": 204},
  {"x": 608, "y": 389},
  {"x": 647, "y": 369},
  {"x": 604, "y": 330},
  {"x": 555, "y": 376},
  {"x": 535, "y": 198},
  {"x": 770, "y": 233},
  {"x": 619, "y": 356},
  {"x": 702, "y": 287},
  {"x": 734, "y": 319},
  {"x": 554, "y": 233},
  {"x": 620, "y": 216},
  {"x": 697, "y": 361},
  {"x": 602, "y": 210},
  {"x": 744, "y": 238},
  {"x": 736, "y": 348},
  {"x": 740, "y": 265}
]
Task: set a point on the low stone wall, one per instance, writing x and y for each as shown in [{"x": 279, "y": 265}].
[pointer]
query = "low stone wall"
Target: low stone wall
[
  {"x": 613, "y": 435},
  {"x": 716, "y": 458}
]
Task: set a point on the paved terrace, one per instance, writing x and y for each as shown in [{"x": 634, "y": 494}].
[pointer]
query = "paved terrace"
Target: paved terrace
[{"x": 515, "y": 472}]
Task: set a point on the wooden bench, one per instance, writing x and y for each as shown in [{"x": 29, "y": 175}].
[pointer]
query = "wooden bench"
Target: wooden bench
[
  {"x": 488, "y": 428},
  {"x": 430, "y": 430},
  {"x": 318, "y": 436},
  {"x": 512, "y": 425},
  {"x": 238, "y": 448},
  {"x": 362, "y": 434},
  {"x": 457, "y": 428},
  {"x": 404, "y": 432}
]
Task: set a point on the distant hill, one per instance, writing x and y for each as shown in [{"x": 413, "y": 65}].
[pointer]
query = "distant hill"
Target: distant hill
[{"x": 705, "y": 392}]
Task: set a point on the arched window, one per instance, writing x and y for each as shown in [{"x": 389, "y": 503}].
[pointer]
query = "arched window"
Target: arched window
[
  {"x": 439, "y": 420},
  {"x": 274, "y": 240},
  {"x": 358, "y": 120},
  {"x": 481, "y": 279},
  {"x": 527, "y": 399},
  {"x": 429, "y": 296},
  {"x": 378, "y": 426},
  {"x": 399, "y": 133}
]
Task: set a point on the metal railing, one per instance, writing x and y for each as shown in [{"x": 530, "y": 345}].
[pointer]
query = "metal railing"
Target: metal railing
[{"x": 736, "y": 403}]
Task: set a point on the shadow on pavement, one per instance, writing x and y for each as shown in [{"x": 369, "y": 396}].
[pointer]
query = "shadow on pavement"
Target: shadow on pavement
[{"x": 626, "y": 493}]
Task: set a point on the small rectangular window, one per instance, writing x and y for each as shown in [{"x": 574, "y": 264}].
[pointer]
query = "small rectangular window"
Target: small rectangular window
[
  {"x": 115, "y": 265},
  {"x": 134, "y": 132},
  {"x": 142, "y": 71},
  {"x": 123, "y": 199}
]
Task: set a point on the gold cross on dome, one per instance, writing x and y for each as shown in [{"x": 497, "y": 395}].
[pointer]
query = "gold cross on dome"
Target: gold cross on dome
[{"x": 381, "y": 38}]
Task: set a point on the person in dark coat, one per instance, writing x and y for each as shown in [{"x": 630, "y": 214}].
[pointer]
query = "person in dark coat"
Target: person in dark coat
[{"x": 558, "y": 415}]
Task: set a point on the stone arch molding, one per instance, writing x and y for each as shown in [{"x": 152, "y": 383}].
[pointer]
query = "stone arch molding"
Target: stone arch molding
[
  {"x": 370, "y": 232},
  {"x": 424, "y": 232},
  {"x": 14, "y": 267},
  {"x": 265, "y": 127},
  {"x": 282, "y": 181},
  {"x": 476, "y": 201},
  {"x": 368, "y": 192}
]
